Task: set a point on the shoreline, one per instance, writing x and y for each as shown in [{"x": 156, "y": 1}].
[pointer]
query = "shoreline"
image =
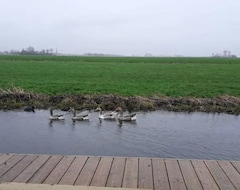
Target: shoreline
[{"x": 224, "y": 104}]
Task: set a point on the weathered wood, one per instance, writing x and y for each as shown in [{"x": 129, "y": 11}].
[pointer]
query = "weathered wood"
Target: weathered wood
[
  {"x": 31, "y": 169},
  {"x": 56, "y": 175},
  {"x": 45, "y": 170},
  {"x": 18, "y": 168},
  {"x": 143, "y": 173},
  {"x": 160, "y": 177},
  {"x": 130, "y": 179},
  {"x": 175, "y": 176},
  {"x": 102, "y": 172},
  {"x": 88, "y": 171},
  {"x": 236, "y": 165},
  {"x": 204, "y": 175},
  {"x": 145, "y": 179},
  {"x": 116, "y": 173},
  {"x": 10, "y": 163},
  {"x": 191, "y": 180},
  {"x": 4, "y": 158},
  {"x": 73, "y": 171},
  {"x": 219, "y": 176},
  {"x": 231, "y": 172}
]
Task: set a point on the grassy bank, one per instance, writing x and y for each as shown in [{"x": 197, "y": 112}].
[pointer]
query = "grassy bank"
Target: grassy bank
[{"x": 125, "y": 76}]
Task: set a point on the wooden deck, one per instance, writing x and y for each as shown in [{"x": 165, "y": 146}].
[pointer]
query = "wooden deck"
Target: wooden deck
[{"x": 129, "y": 172}]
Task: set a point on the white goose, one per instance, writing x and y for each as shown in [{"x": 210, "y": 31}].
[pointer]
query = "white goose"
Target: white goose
[
  {"x": 80, "y": 116},
  {"x": 107, "y": 115},
  {"x": 56, "y": 116},
  {"x": 126, "y": 117}
]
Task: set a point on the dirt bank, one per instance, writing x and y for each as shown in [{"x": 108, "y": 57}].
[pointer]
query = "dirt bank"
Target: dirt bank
[{"x": 18, "y": 99}]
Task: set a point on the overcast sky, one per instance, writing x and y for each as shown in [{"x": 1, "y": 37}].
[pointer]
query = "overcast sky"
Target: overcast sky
[{"x": 123, "y": 27}]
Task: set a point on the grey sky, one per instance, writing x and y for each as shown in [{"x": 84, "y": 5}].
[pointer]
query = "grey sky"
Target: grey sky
[{"x": 124, "y": 27}]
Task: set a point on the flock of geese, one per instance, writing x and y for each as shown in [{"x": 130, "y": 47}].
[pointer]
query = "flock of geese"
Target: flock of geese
[{"x": 84, "y": 115}]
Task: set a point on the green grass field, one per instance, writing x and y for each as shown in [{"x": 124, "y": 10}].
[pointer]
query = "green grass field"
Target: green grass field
[{"x": 128, "y": 76}]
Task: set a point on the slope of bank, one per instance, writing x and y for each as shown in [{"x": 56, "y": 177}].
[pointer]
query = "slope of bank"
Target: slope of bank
[{"x": 18, "y": 99}]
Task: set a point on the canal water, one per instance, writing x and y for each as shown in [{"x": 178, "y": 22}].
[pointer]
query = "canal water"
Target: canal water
[{"x": 154, "y": 134}]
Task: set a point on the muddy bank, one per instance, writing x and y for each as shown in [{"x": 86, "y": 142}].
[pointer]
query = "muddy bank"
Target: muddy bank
[{"x": 224, "y": 104}]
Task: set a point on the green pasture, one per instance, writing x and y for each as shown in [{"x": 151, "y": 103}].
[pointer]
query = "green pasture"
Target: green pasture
[{"x": 128, "y": 76}]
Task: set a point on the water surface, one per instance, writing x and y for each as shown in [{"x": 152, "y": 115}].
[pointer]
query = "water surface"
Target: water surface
[{"x": 154, "y": 134}]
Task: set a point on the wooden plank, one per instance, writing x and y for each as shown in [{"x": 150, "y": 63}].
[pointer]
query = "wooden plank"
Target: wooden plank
[
  {"x": 175, "y": 177},
  {"x": 10, "y": 163},
  {"x": 145, "y": 179},
  {"x": 23, "y": 186},
  {"x": 45, "y": 170},
  {"x": 56, "y": 175},
  {"x": 4, "y": 158},
  {"x": 130, "y": 179},
  {"x": 160, "y": 178},
  {"x": 88, "y": 171},
  {"x": 116, "y": 173},
  {"x": 101, "y": 175},
  {"x": 219, "y": 176},
  {"x": 18, "y": 168},
  {"x": 191, "y": 180},
  {"x": 31, "y": 169},
  {"x": 236, "y": 165},
  {"x": 73, "y": 171},
  {"x": 231, "y": 172},
  {"x": 204, "y": 175}
]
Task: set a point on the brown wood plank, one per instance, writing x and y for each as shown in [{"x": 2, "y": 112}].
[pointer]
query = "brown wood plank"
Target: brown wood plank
[
  {"x": 56, "y": 175},
  {"x": 31, "y": 169},
  {"x": 18, "y": 168},
  {"x": 45, "y": 170},
  {"x": 101, "y": 175},
  {"x": 4, "y": 158},
  {"x": 10, "y": 163},
  {"x": 73, "y": 171},
  {"x": 204, "y": 175},
  {"x": 236, "y": 165},
  {"x": 191, "y": 180},
  {"x": 160, "y": 177},
  {"x": 88, "y": 171},
  {"x": 145, "y": 179},
  {"x": 219, "y": 176},
  {"x": 116, "y": 173},
  {"x": 130, "y": 179},
  {"x": 231, "y": 172},
  {"x": 174, "y": 173}
]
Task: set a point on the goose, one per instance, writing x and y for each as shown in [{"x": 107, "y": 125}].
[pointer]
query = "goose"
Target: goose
[
  {"x": 66, "y": 109},
  {"x": 106, "y": 115},
  {"x": 80, "y": 116},
  {"x": 55, "y": 117},
  {"x": 126, "y": 117},
  {"x": 29, "y": 109}
]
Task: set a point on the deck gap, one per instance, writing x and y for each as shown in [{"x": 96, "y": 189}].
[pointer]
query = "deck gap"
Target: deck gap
[
  {"x": 124, "y": 171},
  {"x": 152, "y": 174},
  {"x": 235, "y": 167},
  {"x": 109, "y": 172},
  {"x": 226, "y": 175},
  {"x": 26, "y": 167},
  {"x": 66, "y": 170},
  {"x": 182, "y": 174},
  {"x": 13, "y": 165},
  {"x": 52, "y": 169},
  {"x": 95, "y": 171},
  {"x": 211, "y": 175},
  {"x": 196, "y": 174},
  {"x": 38, "y": 168},
  {"x": 80, "y": 170},
  {"x": 165, "y": 166}
]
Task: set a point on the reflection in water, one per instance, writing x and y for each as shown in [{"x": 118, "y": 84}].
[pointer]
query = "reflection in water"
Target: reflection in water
[{"x": 154, "y": 134}]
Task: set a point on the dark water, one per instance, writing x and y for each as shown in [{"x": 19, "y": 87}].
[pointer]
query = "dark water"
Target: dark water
[{"x": 155, "y": 134}]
